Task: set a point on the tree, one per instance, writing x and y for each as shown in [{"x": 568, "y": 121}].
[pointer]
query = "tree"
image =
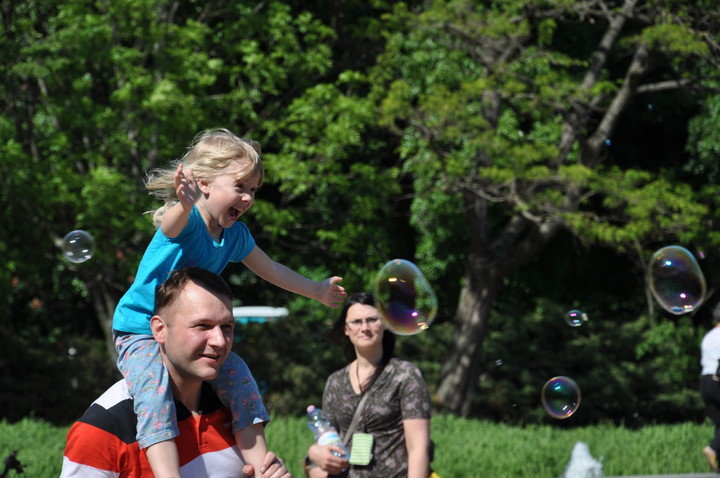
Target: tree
[
  {"x": 96, "y": 94},
  {"x": 510, "y": 108}
]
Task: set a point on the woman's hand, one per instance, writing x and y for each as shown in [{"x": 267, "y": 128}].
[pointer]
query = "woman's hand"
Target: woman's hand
[{"x": 322, "y": 455}]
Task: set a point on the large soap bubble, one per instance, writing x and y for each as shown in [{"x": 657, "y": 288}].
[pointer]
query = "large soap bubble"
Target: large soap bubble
[
  {"x": 676, "y": 280},
  {"x": 560, "y": 397},
  {"x": 78, "y": 246},
  {"x": 405, "y": 299}
]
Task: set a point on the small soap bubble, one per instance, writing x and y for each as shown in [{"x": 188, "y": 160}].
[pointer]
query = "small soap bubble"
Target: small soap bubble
[
  {"x": 575, "y": 318},
  {"x": 560, "y": 397},
  {"x": 676, "y": 280},
  {"x": 405, "y": 299},
  {"x": 78, "y": 246}
]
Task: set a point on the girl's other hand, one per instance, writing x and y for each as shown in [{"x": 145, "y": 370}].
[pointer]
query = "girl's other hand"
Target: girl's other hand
[{"x": 186, "y": 188}]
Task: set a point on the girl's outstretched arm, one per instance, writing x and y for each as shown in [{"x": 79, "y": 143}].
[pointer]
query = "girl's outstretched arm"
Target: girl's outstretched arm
[{"x": 328, "y": 292}]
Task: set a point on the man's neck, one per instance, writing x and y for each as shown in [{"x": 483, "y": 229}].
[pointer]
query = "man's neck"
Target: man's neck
[{"x": 187, "y": 393}]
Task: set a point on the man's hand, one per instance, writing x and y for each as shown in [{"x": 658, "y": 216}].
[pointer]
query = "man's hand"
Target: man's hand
[{"x": 272, "y": 467}]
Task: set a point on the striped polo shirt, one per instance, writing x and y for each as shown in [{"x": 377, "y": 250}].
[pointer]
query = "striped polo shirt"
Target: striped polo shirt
[{"x": 102, "y": 444}]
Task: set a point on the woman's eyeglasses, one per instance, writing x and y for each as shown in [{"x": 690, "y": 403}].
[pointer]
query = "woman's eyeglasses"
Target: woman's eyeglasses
[{"x": 357, "y": 323}]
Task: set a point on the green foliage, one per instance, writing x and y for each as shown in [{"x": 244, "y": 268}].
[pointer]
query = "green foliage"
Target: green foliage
[
  {"x": 462, "y": 447},
  {"x": 379, "y": 121},
  {"x": 704, "y": 140},
  {"x": 51, "y": 381}
]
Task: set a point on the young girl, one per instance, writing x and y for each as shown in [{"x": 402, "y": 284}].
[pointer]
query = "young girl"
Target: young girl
[{"x": 205, "y": 195}]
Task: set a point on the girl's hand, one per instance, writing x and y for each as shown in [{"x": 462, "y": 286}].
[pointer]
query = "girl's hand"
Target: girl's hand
[
  {"x": 322, "y": 456},
  {"x": 332, "y": 294},
  {"x": 186, "y": 188}
]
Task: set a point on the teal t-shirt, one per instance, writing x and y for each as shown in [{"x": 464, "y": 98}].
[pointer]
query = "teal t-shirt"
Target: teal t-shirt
[{"x": 194, "y": 247}]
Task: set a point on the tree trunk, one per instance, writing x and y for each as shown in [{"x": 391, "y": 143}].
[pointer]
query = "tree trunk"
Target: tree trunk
[
  {"x": 104, "y": 304},
  {"x": 461, "y": 366},
  {"x": 488, "y": 264}
]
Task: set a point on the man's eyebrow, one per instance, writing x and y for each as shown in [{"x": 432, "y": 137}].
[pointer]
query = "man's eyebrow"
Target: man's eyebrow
[{"x": 205, "y": 319}]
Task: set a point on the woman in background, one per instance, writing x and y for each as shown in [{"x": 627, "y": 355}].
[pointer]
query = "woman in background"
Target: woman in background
[{"x": 396, "y": 412}]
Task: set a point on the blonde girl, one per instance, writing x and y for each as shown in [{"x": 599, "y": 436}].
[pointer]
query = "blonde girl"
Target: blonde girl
[{"x": 205, "y": 194}]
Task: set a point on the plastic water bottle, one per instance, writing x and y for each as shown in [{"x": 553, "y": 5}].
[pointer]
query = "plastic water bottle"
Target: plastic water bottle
[{"x": 324, "y": 432}]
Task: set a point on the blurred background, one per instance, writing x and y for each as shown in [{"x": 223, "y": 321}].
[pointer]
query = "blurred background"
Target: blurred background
[{"x": 528, "y": 156}]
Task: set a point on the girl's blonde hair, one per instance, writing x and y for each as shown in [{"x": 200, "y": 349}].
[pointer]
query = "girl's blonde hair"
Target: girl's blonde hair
[{"x": 211, "y": 153}]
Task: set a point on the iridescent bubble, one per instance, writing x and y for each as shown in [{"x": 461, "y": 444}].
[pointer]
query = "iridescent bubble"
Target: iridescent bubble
[
  {"x": 560, "y": 397},
  {"x": 676, "y": 280},
  {"x": 405, "y": 299},
  {"x": 78, "y": 246},
  {"x": 575, "y": 318}
]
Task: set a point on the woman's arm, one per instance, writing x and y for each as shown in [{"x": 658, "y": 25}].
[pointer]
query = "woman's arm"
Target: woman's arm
[{"x": 417, "y": 442}]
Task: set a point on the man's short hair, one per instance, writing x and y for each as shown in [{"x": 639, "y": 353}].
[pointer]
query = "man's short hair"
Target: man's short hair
[{"x": 169, "y": 291}]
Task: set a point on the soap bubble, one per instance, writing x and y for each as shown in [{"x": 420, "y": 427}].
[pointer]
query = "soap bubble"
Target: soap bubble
[
  {"x": 575, "y": 318},
  {"x": 560, "y": 397},
  {"x": 78, "y": 246},
  {"x": 676, "y": 280},
  {"x": 405, "y": 299}
]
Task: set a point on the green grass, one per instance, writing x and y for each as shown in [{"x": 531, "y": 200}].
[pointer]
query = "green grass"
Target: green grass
[{"x": 465, "y": 448}]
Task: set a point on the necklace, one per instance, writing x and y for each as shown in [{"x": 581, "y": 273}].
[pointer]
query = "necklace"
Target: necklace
[{"x": 357, "y": 374}]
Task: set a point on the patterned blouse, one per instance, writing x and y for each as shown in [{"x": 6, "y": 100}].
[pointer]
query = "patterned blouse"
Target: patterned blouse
[{"x": 399, "y": 393}]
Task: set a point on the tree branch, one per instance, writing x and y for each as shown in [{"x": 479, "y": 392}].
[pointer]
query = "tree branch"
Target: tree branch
[
  {"x": 663, "y": 86},
  {"x": 580, "y": 114},
  {"x": 638, "y": 67}
]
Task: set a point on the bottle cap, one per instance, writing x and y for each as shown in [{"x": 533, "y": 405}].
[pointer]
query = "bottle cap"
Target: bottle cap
[{"x": 310, "y": 408}]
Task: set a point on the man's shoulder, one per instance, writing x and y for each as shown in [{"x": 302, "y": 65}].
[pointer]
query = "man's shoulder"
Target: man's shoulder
[
  {"x": 113, "y": 413},
  {"x": 102, "y": 442}
]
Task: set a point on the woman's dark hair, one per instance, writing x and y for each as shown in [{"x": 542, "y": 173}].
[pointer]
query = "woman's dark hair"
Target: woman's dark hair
[{"x": 338, "y": 332}]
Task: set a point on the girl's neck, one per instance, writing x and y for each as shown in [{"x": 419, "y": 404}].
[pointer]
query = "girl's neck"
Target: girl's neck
[{"x": 215, "y": 230}]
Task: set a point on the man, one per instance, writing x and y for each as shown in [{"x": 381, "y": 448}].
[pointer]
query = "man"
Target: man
[
  {"x": 194, "y": 327},
  {"x": 710, "y": 386}
]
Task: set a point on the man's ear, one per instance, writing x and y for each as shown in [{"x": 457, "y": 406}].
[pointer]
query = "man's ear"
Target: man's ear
[{"x": 159, "y": 328}]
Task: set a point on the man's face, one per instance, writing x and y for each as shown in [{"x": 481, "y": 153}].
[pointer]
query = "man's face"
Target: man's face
[{"x": 197, "y": 334}]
